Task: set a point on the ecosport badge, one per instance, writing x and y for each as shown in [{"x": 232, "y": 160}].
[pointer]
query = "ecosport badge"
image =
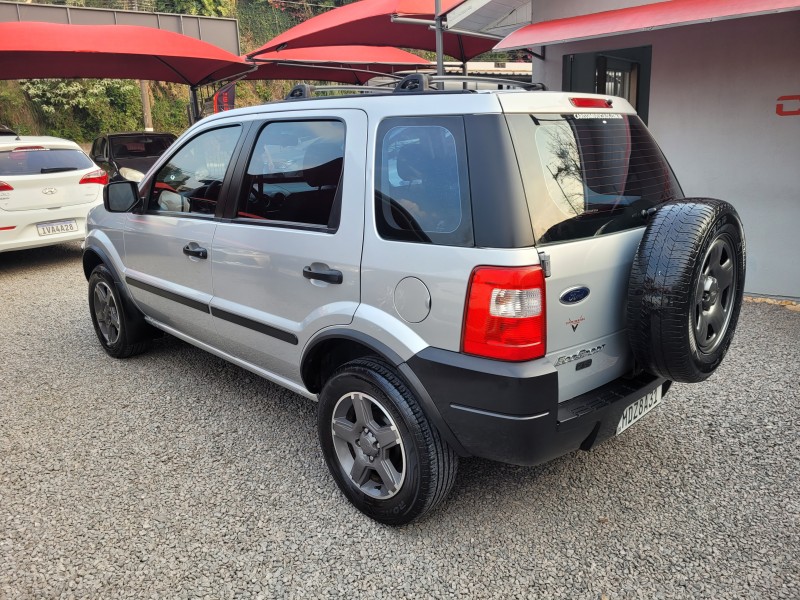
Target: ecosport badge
[{"x": 562, "y": 360}]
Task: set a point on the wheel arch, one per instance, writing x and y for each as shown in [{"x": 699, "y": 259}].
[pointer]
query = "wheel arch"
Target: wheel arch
[{"x": 336, "y": 346}]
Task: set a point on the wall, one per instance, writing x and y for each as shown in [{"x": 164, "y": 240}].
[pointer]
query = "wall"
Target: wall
[{"x": 713, "y": 97}]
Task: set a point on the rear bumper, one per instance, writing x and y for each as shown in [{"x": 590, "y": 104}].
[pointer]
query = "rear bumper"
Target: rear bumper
[
  {"x": 509, "y": 412},
  {"x": 18, "y": 228}
]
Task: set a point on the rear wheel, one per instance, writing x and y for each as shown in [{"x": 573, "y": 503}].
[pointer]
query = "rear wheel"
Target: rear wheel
[
  {"x": 112, "y": 323},
  {"x": 685, "y": 289},
  {"x": 378, "y": 445}
]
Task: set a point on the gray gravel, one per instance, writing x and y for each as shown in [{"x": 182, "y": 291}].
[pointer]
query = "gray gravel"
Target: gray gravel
[{"x": 176, "y": 475}]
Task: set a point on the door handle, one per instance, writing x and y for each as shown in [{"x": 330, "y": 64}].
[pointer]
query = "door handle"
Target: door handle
[
  {"x": 194, "y": 249},
  {"x": 322, "y": 273}
]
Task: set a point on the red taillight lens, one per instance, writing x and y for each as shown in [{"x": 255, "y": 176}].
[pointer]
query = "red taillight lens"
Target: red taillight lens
[
  {"x": 505, "y": 314},
  {"x": 591, "y": 102},
  {"x": 98, "y": 176},
  {"x": 4, "y": 187}
]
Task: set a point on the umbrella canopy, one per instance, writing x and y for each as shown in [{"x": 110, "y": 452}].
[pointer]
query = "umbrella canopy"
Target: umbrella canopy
[
  {"x": 342, "y": 64},
  {"x": 54, "y": 50},
  {"x": 369, "y": 22}
]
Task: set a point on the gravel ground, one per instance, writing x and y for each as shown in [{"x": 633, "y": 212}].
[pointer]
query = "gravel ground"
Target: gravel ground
[{"x": 176, "y": 475}]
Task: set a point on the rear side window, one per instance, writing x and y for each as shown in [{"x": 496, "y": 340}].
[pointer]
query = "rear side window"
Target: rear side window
[
  {"x": 421, "y": 181},
  {"x": 294, "y": 175},
  {"x": 589, "y": 174},
  {"x": 35, "y": 161},
  {"x": 140, "y": 146}
]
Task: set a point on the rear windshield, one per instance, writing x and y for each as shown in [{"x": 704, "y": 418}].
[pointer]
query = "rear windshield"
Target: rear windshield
[
  {"x": 25, "y": 161},
  {"x": 589, "y": 174}
]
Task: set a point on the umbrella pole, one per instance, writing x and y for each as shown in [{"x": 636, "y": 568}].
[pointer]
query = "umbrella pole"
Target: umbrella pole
[
  {"x": 439, "y": 41},
  {"x": 194, "y": 104}
]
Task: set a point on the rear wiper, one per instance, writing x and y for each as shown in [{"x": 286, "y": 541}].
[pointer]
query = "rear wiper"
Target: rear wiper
[{"x": 58, "y": 169}]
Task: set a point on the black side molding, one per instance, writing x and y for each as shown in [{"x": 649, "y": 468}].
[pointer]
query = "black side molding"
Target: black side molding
[{"x": 201, "y": 306}]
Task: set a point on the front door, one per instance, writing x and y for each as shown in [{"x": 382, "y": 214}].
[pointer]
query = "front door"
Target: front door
[
  {"x": 168, "y": 246},
  {"x": 287, "y": 263}
]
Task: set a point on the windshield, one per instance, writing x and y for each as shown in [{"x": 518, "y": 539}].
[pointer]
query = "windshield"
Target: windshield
[
  {"x": 595, "y": 173},
  {"x": 35, "y": 161},
  {"x": 139, "y": 146}
]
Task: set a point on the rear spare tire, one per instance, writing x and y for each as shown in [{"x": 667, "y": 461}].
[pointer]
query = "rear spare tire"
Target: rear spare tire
[{"x": 685, "y": 289}]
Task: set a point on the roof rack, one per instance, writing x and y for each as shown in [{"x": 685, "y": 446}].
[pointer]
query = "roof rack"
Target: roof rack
[
  {"x": 421, "y": 82},
  {"x": 304, "y": 90},
  {"x": 413, "y": 83}
]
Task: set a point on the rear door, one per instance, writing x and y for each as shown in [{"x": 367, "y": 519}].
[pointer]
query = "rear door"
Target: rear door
[
  {"x": 287, "y": 263},
  {"x": 168, "y": 246},
  {"x": 588, "y": 179}
]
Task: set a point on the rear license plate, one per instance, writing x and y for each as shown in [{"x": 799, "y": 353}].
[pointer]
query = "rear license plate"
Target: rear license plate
[
  {"x": 639, "y": 409},
  {"x": 55, "y": 227}
]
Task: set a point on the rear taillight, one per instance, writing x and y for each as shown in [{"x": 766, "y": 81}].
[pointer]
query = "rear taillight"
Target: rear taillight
[
  {"x": 591, "y": 102},
  {"x": 505, "y": 313},
  {"x": 98, "y": 176},
  {"x": 4, "y": 187}
]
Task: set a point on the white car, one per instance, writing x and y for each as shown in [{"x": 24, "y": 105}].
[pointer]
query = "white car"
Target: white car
[{"x": 47, "y": 187}]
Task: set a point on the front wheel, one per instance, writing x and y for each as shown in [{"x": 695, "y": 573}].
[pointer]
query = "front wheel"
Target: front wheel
[
  {"x": 379, "y": 446},
  {"x": 112, "y": 323}
]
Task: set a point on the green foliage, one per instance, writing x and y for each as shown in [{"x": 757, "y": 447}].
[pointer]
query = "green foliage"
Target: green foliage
[{"x": 80, "y": 109}]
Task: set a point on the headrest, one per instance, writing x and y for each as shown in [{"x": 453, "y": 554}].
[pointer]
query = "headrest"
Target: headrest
[
  {"x": 414, "y": 162},
  {"x": 322, "y": 164}
]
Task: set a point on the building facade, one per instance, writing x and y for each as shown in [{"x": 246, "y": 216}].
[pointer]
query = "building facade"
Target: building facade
[{"x": 722, "y": 99}]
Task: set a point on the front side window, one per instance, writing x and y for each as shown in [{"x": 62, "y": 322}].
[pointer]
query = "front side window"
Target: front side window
[
  {"x": 421, "y": 181},
  {"x": 192, "y": 179},
  {"x": 600, "y": 171},
  {"x": 294, "y": 174}
]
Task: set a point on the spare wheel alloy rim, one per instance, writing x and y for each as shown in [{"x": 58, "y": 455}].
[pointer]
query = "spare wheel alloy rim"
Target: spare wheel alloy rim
[{"x": 714, "y": 294}]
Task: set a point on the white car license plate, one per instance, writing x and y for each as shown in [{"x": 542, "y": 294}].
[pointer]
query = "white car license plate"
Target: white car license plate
[
  {"x": 639, "y": 409},
  {"x": 55, "y": 227}
]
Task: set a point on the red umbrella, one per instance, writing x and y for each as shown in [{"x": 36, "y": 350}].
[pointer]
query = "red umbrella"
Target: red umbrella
[
  {"x": 369, "y": 22},
  {"x": 54, "y": 50},
  {"x": 343, "y": 64}
]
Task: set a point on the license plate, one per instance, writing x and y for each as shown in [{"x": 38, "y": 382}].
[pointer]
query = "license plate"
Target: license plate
[
  {"x": 55, "y": 227},
  {"x": 639, "y": 409}
]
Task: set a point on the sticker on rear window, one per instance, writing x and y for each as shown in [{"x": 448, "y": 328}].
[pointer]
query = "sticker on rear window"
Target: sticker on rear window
[{"x": 597, "y": 116}]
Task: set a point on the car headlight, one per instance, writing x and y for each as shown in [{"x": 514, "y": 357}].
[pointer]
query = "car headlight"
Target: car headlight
[{"x": 131, "y": 174}]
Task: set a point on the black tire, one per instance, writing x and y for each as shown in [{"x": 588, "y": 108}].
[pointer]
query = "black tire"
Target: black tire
[
  {"x": 685, "y": 289},
  {"x": 421, "y": 464},
  {"x": 115, "y": 326}
]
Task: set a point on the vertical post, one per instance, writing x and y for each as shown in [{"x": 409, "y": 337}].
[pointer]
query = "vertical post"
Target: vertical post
[
  {"x": 194, "y": 105},
  {"x": 147, "y": 114},
  {"x": 439, "y": 40}
]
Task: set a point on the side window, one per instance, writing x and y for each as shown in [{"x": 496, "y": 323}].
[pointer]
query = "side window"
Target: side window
[
  {"x": 191, "y": 181},
  {"x": 421, "y": 182},
  {"x": 294, "y": 174}
]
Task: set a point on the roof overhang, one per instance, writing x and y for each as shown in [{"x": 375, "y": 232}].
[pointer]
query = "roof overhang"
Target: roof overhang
[{"x": 645, "y": 17}]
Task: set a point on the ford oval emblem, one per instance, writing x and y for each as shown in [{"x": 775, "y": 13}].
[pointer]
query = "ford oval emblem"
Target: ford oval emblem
[{"x": 574, "y": 295}]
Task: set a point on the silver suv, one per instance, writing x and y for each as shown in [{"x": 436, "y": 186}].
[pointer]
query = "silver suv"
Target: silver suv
[{"x": 508, "y": 274}]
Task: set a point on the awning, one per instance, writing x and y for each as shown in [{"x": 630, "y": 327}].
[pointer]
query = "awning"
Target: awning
[
  {"x": 369, "y": 23},
  {"x": 640, "y": 18},
  {"x": 342, "y": 64},
  {"x": 33, "y": 50}
]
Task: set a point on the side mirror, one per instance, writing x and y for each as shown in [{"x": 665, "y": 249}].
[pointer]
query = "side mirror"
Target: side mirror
[{"x": 120, "y": 196}]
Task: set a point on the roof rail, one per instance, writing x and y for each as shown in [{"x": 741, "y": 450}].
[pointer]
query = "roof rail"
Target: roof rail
[
  {"x": 304, "y": 90},
  {"x": 421, "y": 82}
]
